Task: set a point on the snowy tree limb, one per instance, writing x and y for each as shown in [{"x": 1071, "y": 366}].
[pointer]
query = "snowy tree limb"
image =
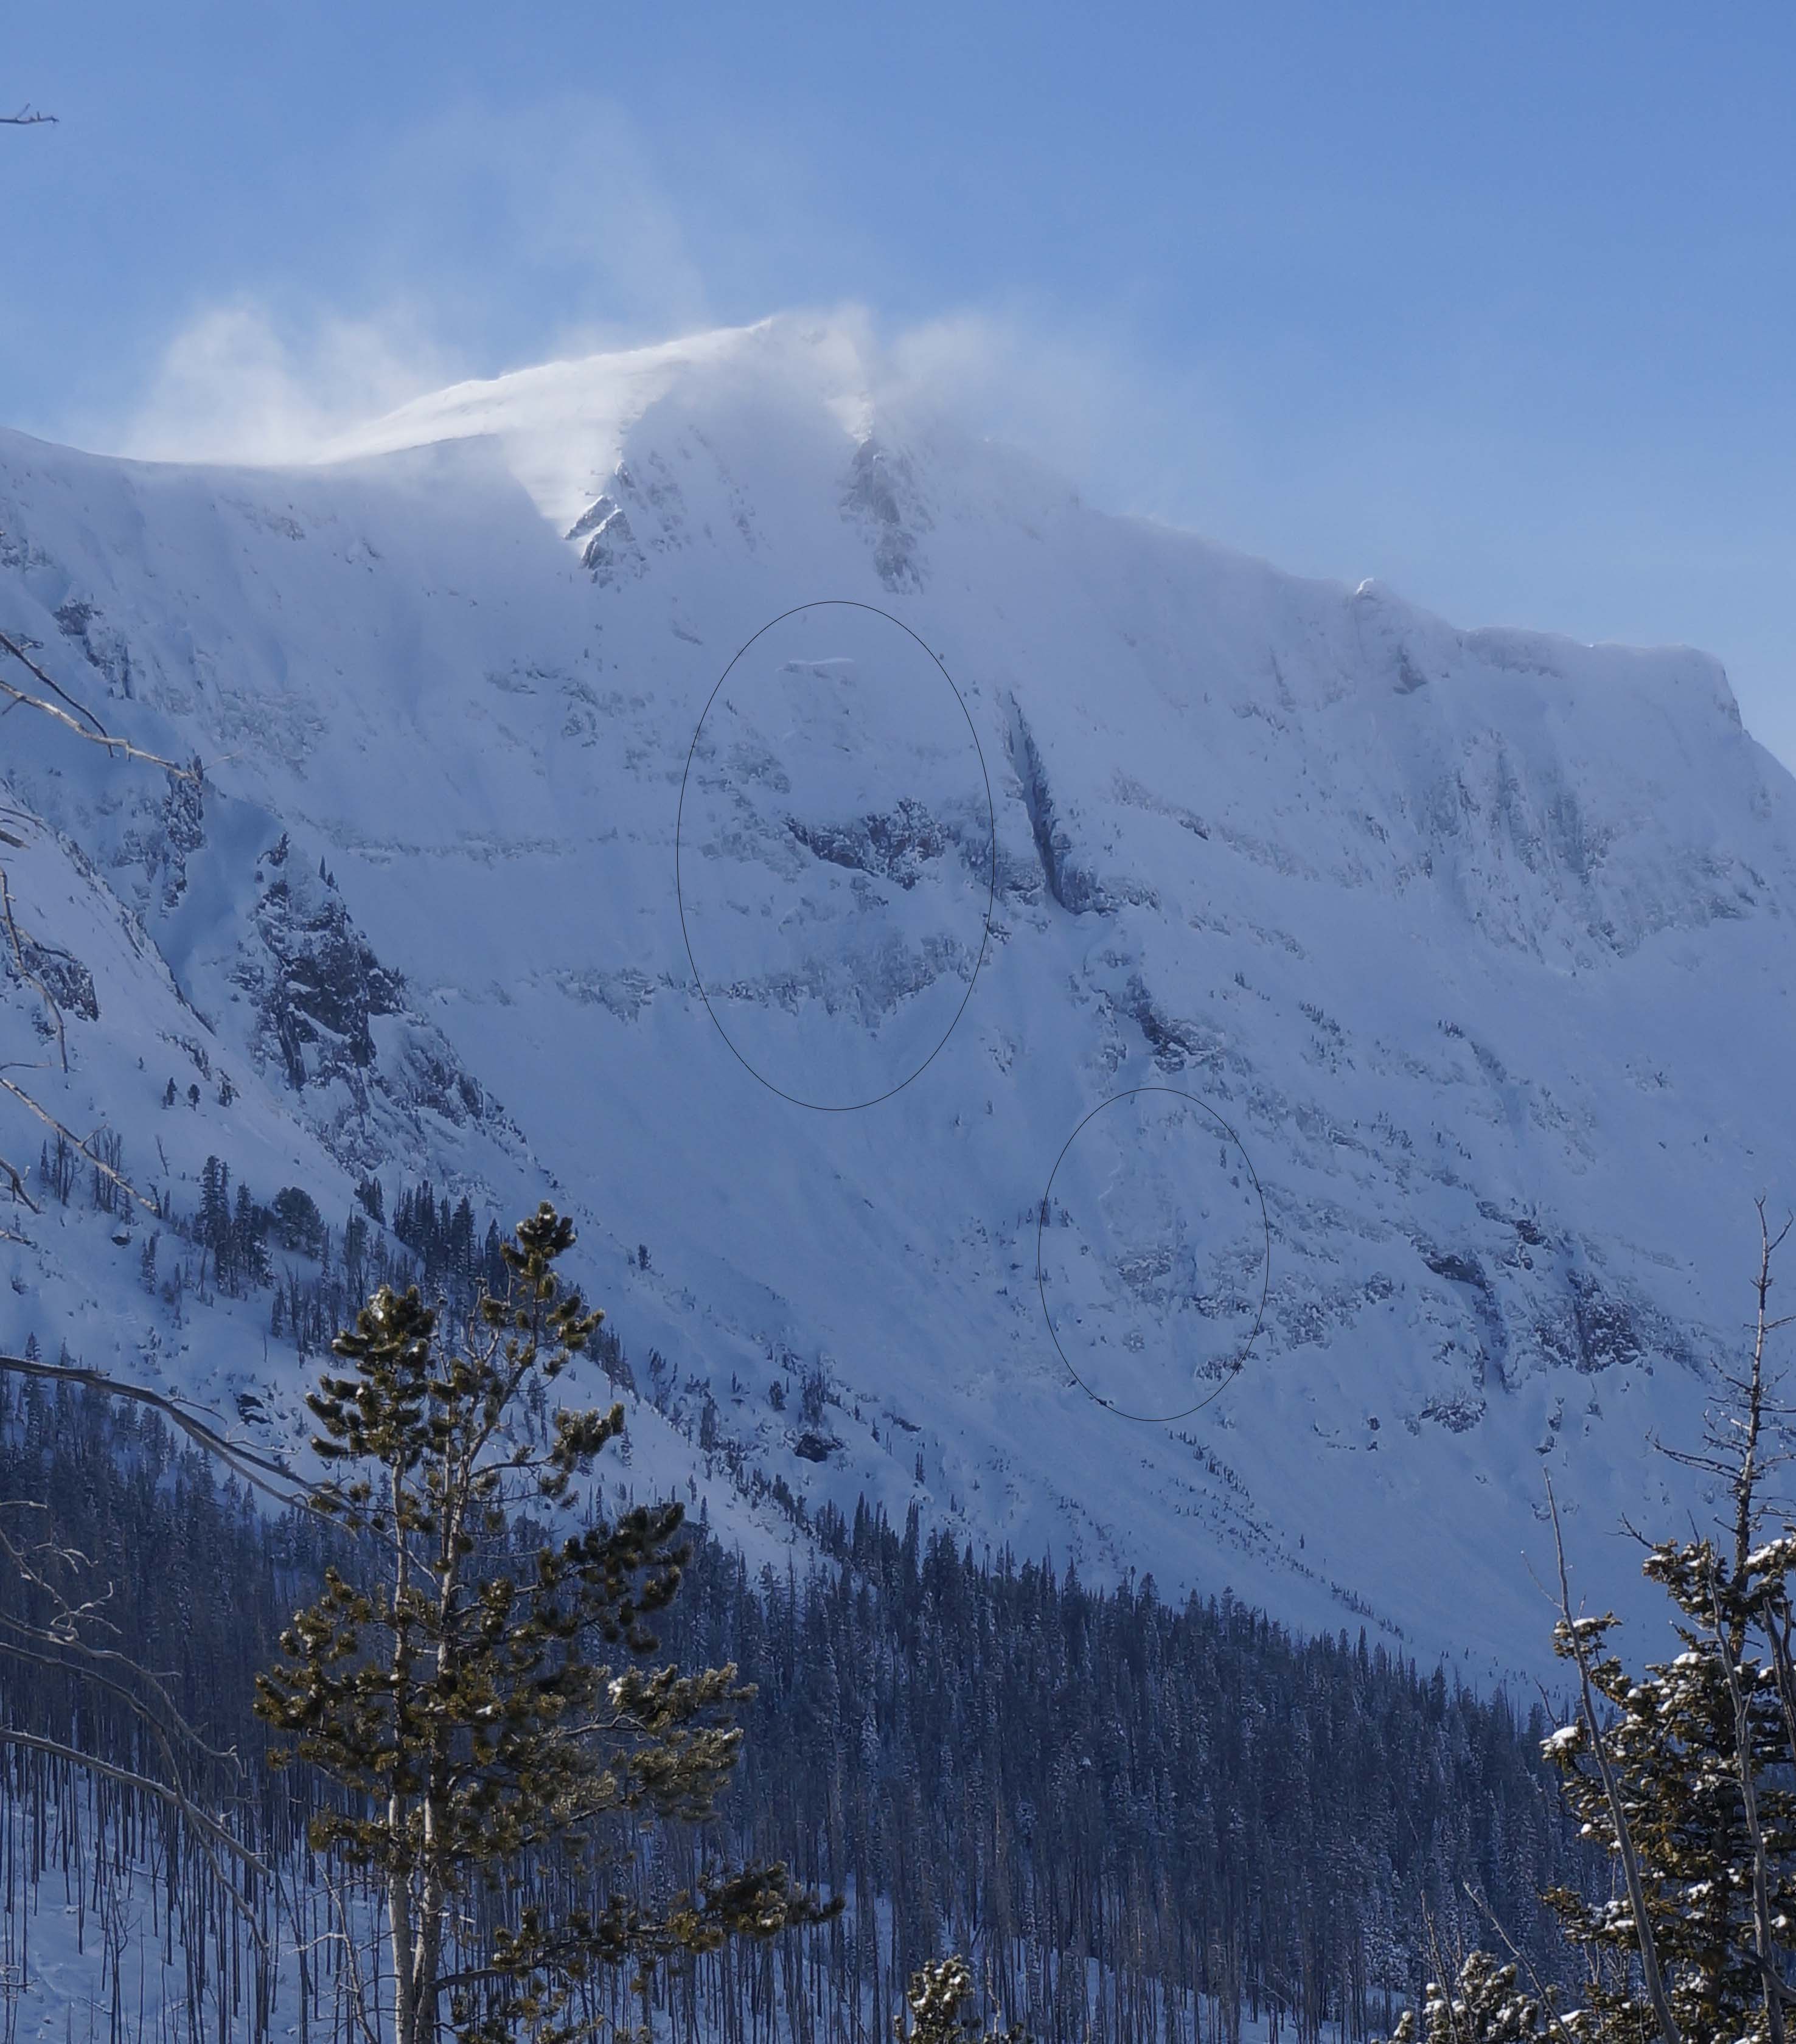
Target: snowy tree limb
[
  {"x": 254, "y": 1469},
  {"x": 201, "y": 1819},
  {"x": 1612, "y": 1792},
  {"x": 79, "y": 1144},
  {"x": 103, "y": 1657},
  {"x": 209, "y": 1832},
  {"x": 34, "y": 980},
  {"x": 93, "y": 730},
  {"x": 10, "y": 1172},
  {"x": 1776, "y": 1992}
]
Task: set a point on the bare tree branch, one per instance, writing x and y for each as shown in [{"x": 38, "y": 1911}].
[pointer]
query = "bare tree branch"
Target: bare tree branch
[
  {"x": 1727, "y": 1647},
  {"x": 81, "y": 1144},
  {"x": 1747, "y": 1436},
  {"x": 358, "y": 2000},
  {"x": 19, "y": 1191},
  {"x": 26, "y": 118},
  {"x": 1612, "y": 1792},
  {"x": 209, "y": 1832},
  {"x": 120, "y": 747},
  {"x": 40, "y": 1658},
  {"x": 12, "y": 646},
  {"x": 62, "y": 1637},
  {"x": 69, "y": 1616},
  {"x": 200, "y": 1819},
  {"x": 254, "y": 1469},
  {"x": 68, "y": 1644},
  {"x": 31, "y": 979}
]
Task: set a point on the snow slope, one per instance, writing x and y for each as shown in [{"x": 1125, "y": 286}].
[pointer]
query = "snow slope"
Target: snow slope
[{"x": 1469, "y": 953}]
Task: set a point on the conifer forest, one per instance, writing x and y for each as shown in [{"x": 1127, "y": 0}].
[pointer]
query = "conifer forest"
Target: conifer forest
[{"x": 1147, "y": 1821}]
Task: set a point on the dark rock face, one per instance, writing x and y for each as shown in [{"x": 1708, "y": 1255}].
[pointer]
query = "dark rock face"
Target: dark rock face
[
  {"x": 610, "y": 548},
  {"x": 1609, "y": 1330},
  {"x": 1457, "y": 1416},
  {"x": 881, "y": 496},
  {"x": 167, "y": 835},
  {"x": 1458, "y": 1269},
  {"x": 102, "y": 646},
  {"x": 893, "y": 847},
  {"x": 432, "y": 1078},
  {"x": 1066, "y": 876},
  {"x": 317, "y": 989},
  {"x": 322, "y": 984},
  {"x": 1175, "y": 1042},
  {"x": 615, "y": 540},
  {"x": 62, "y": 976}
]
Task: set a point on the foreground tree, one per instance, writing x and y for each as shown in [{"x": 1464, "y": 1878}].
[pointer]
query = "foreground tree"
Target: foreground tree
[
  {"x": 1685, "y": 1776},
  {"x": 1484, "y": 2005},
  {"x": 451, "y": 1691},
  {"x": 936, "y": 1998},
  {"x": 1685, "y": 1773}
]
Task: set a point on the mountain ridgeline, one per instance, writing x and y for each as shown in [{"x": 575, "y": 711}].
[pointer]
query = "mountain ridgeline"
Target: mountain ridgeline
[
  {"x": 1236, "y": 997},
  {"x": 489, "y": 877}
]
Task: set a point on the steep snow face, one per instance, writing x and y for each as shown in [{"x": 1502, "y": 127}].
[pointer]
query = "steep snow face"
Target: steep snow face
[
  {"x": 1447, "y": 972},
  {"x": 836, "y": 855}
]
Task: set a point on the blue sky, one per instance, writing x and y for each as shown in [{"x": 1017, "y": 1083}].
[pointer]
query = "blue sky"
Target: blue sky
[{"x": 1494, "y": 303}]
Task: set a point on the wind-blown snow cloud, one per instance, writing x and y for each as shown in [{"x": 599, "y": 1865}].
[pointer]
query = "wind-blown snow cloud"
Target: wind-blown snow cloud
[
  {"x": 241, "y": 384},
  {"x": 494, "y": 242},
  {"x": 546, "y": 231},
  {"x": 1078, "y": 399},
  {"x": 491, "y": 243}
]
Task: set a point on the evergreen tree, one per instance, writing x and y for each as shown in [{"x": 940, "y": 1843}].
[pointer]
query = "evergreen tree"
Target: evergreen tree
[
  {"x": 453, "y": 1696},
  {"x": 212, "y": 1225},
  {"x": 1484, "y": 2006},
  {"x": 299, "y": 1225},
  {"x": 1700, "y": 1750},
  {"x": 249, "y": 1251},
  {"x": 935, "y": 1999},
  {"x": 1686, "y": 1774}
]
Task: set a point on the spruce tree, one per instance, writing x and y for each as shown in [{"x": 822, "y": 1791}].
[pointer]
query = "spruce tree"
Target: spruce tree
[
  {"x": 1700, "y": 1748},
  {"x": 1485, "y": 2006},
  {"x": 449, "y": 1687},
  {"x": 1685, "y": 1775},
  {"x": 936, "y": 1998}
]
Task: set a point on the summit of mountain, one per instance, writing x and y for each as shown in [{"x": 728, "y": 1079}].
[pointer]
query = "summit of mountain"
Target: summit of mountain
[{"x": 610, "y": 765}]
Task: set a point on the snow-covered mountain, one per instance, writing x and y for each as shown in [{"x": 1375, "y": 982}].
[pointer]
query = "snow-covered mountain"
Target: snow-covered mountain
[{"x": 1460, "y": 960}]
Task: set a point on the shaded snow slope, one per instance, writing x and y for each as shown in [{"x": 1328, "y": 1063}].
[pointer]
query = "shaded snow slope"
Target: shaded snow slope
[{"x": 1478, "y": 944}]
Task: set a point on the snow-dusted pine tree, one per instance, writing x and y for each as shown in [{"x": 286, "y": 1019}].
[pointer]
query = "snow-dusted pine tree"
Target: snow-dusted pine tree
[
  {"x": 1685, "y": 1774},
  {"x": 936, "y": 1998},
  {"x": 452, "y": 1691}
]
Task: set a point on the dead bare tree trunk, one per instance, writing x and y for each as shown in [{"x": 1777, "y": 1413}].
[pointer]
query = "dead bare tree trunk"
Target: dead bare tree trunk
[{"x": 1648, "y": 1945}]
